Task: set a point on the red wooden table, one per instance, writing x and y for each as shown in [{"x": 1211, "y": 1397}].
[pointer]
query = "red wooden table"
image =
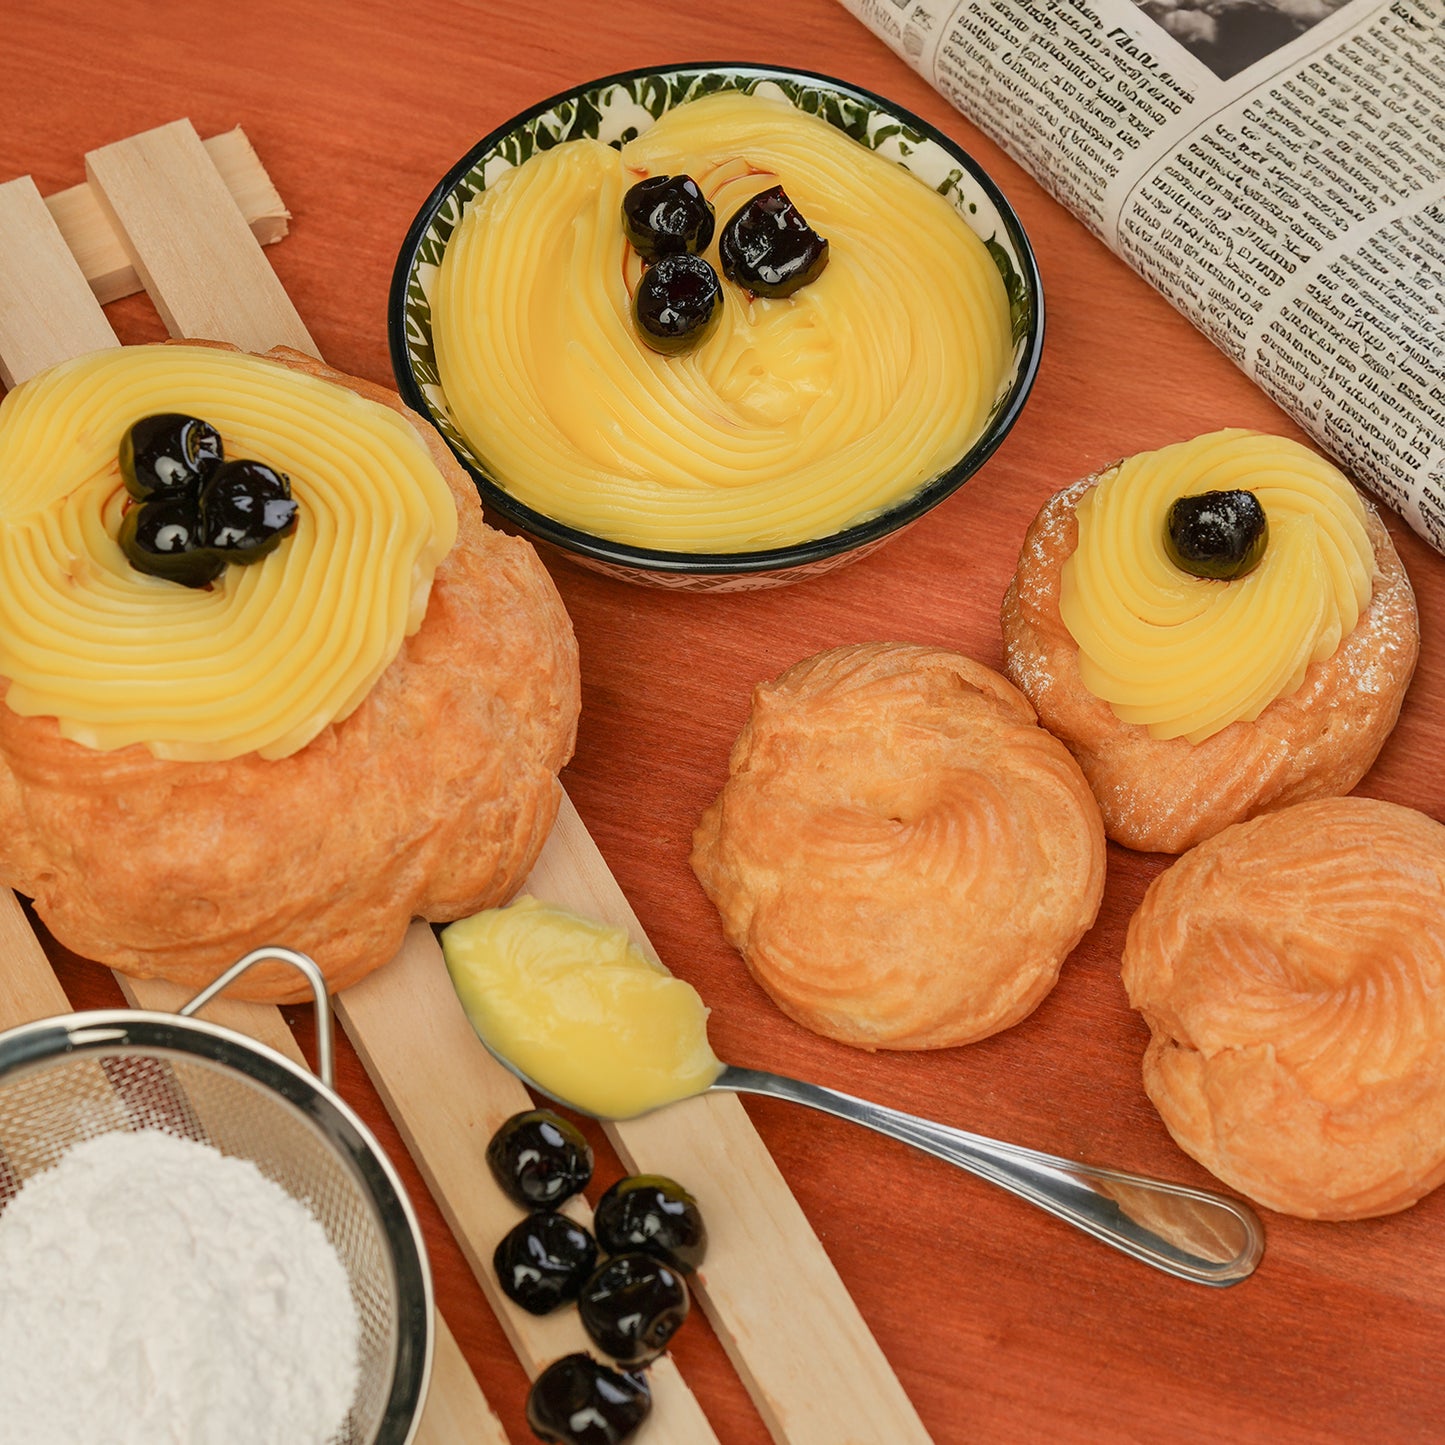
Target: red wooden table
[{"x": 1001, "y": 1323}]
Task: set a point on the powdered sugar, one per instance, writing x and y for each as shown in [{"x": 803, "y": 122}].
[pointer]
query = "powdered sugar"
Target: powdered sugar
[{"x": 153, "y": 1290}]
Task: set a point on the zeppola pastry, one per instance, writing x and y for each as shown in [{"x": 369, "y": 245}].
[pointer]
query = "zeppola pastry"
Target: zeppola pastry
[
  {"x": 901, "y": 855},
  {"x": 267, "y": 677},
  {"x": 1292, "y": 974},
  {"x": 1216, "y": 629}
]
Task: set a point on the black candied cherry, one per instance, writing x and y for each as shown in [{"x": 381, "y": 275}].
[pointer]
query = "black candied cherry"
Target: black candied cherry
[
  {"x": 769, "y": 249},
  {"x": 542, "y": 1262},
  {"x": 246, "y": 509},
  {"x": 666, "y": 216},
  {"x": 1218, "y": 535},
  {"x": 539, "y": 1159},
  {"x": 162, "y": 537},
  {"x": 168, "y": 452},
  {"x": 677, "y": 303},
  {"x": 653, "y": 1214},
  {"x": 632, "y": 1306},
  {"x": 578, "y": 1401}
]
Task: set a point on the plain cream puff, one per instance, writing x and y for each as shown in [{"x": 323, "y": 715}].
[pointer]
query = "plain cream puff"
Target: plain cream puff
[
  {"x": 901, "y": 855},
  {"x": 1292, "y": 974}
]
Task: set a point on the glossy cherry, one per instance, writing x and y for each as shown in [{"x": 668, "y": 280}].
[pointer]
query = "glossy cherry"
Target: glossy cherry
[
  {"x": 1217, "y": 535},
  {"x": 655, "y": 1215},
  {"x": 769, "y": 249},
  {"x": 542, "y": 1262},
  {"x": 578, "y": 1401},
  {"x": 632, "y": 1306},
  {"x": 162, "y": 537},
  {"x": 677, "y": 303},
  {"x": 667, "y": 216},
  {"x": 246, "y": 509},
  {"x": 168, "y": 452},
  {"x": 539, "y": 1159}
]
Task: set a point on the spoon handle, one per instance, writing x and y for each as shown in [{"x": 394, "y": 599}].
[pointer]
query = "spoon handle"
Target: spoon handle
[{"x": 1191, "y": 1233}]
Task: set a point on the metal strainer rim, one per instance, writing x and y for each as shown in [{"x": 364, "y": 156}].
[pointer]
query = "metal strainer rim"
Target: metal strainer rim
[{"x": 34, "y": 1045}]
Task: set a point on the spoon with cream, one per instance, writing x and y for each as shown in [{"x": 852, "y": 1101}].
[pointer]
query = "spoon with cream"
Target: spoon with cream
[{"x": 582, "y": 1016}]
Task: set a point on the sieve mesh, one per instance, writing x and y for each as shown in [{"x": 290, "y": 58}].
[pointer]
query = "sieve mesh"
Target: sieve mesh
[{"x": 48, "y": 1108}]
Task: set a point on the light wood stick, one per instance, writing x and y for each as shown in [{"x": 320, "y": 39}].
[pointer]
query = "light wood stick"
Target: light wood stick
[
  {"x": 29, "y": 989},
  {"x": 457, "y": 1413},
  {"x": 150, "y": 181},
  {"x": 447, "y": 1096},
  {"x": 259, "y": 1021},
  {"x": 98, "y": 250},
  {"x": 47, "y": 312},
  {"x": 189, "y": 243},
  {"x": 780, "y": 1309}
]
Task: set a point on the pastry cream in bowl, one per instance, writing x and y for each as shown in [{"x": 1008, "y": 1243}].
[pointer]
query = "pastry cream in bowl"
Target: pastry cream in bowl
[
  {"x": 799, "y": 417},
  {"x": 803, "y": 427}
]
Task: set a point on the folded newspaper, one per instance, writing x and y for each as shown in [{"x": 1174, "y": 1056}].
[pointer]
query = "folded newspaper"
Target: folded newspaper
[{"x": 1276, "y": 168}]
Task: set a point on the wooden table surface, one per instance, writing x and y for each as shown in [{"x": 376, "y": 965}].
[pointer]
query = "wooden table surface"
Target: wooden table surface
[{"x": 1001, "y": 1323}]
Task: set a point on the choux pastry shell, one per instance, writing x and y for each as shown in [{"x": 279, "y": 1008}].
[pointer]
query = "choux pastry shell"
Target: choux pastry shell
[
  {"x": 901, "y": 855},
  {"x": 431, "y": 799},
  {"x": 1167, "y": 794},
  {"x": 1292, "y": 974}
]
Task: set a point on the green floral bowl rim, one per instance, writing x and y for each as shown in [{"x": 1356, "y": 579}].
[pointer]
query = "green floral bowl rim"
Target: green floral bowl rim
[{"x": 408, "y": 307}]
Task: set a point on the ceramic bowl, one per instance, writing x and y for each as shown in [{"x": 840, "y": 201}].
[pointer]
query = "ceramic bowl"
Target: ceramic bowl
[{"x": 614, "y": 110}]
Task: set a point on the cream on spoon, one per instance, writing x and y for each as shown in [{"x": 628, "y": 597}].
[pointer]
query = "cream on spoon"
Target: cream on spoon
[{"x": 582, "y": 1016}]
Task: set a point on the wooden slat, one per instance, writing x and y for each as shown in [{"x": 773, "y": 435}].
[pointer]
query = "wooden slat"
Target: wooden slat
[
  {"x": 189, "y": 243},
  {"x": 29, "y": 989},
  {"x": 103, "y": 258},
  {"x": 447, "y": 1096},
  {"x": 456, "y": 1410},
  {"x": 170, "y": 198},
  {"x": 47, "y": 312},
  {"x": 259, "y": 1021},
  {"x": 783, "y": 1314}
]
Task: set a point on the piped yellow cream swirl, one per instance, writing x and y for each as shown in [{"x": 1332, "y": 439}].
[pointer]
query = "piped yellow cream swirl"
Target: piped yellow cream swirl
[
  {"x": 1185, "y": 656},
  {"x": 796, "y": 417},
  {"x": 270, "y": 654}
]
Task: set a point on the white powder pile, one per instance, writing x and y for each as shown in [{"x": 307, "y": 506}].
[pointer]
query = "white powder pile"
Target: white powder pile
[{"x": 153, "y": 1290}]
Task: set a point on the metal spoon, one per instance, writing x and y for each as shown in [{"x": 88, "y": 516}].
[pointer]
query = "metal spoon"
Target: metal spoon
[{"x": 1191, "y": 1233}]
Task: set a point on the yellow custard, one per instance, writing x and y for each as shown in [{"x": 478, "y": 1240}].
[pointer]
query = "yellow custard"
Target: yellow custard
[
  {"x": 796, "y": 417},
  {"x": 268, "y": 655},
  {"x": 1185, "y": 656},
  {"x": 575, "y": 1006}
]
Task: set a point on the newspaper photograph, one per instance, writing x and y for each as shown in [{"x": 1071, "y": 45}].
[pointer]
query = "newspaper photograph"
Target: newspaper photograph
[{"x": 1275, "y": 168}]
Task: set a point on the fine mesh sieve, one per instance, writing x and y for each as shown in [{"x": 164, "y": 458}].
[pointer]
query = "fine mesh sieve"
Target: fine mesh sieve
[{"x": 65, "y": 1080}]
